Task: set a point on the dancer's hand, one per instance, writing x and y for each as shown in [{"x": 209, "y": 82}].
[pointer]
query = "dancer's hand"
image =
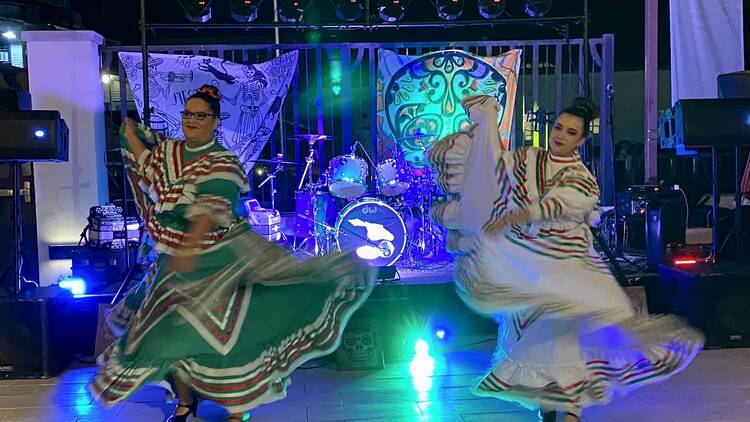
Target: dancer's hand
[
  {"x": 497, "y": 226},
  {"x": 129, "y": 125},
  {"x": 518, "y": 217}
]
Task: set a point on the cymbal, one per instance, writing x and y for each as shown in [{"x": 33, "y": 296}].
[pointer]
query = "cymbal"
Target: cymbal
[
  {"x": 279, "y": 162},
  {"x": 310, "y": 137},
  {"x": 417, "y": 136}
]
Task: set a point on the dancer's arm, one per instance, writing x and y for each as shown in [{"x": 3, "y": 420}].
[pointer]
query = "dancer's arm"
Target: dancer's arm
[
  {"x": 135, "y": 145},
  {"x": 214, "y": 207},
  {"x": 184, "y": 259},
  {"x": 575, "y": 196}
]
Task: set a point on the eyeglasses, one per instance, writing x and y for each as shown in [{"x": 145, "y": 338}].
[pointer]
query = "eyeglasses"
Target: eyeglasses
[{"x": 198, "y": 116}]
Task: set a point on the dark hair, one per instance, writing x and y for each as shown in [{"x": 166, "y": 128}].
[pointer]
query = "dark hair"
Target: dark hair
[
  {"x": 209, "y": 94},
  {"x": 585, "y": 109}
]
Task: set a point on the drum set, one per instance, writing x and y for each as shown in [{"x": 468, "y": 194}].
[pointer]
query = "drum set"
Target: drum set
[{"x": 381, "y": 211}]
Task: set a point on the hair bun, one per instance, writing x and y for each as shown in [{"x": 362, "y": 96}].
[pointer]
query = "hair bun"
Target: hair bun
[
  {"x": 209, "y": 90},
  {"x": 586, "y": 106}
]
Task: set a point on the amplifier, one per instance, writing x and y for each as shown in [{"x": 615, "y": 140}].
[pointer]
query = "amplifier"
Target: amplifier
[
  {"x": 33, "y": 135},
  {"x": 34, "y": 341},
  {"x": 705, "y": 123},
  {"x": 99, "y": 267}
]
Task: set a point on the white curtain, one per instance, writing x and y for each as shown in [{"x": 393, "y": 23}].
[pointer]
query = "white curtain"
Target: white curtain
[{"x": 706, "y": 41}]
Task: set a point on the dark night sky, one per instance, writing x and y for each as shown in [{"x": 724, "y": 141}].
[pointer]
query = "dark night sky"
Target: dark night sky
[{"x": 118, "y": 21}]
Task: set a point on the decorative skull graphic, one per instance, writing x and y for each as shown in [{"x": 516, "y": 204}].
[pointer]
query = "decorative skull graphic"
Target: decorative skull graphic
[{"x": 359, "y": 342}]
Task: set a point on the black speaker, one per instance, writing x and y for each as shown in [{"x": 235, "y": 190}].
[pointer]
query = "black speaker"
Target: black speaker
[
  {"x": 734, "y": 85},
  {"x": 714, "y": 300},
  {"x": 34, "y": 341},
  {"x": 708, "y": 122},
  {"x": 33, "y": 135},
  {"x": 665, "y": 224}
]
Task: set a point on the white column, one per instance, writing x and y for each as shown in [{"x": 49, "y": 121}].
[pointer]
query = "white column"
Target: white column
[{"x": 64, "y": 75}]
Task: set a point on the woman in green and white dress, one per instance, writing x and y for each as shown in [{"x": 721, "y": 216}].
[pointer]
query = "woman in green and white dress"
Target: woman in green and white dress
[{"x": 223, "y": 313}]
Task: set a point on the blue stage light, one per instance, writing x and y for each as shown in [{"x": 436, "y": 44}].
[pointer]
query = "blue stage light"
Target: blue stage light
[
  {"x": 40, "y": 133},
  {"x": 77, "y": 286},
  {"x": 441, "y": 333}
]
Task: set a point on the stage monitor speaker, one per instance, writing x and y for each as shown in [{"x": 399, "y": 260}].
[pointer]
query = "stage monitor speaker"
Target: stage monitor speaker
[
  {"x": 33, "y": 135},
  {"x": 734, "y": 85},
  {"x": 34, "y": 339},
  {"x": 714, "y": 300},
  {"x": 706, "y": 123}
]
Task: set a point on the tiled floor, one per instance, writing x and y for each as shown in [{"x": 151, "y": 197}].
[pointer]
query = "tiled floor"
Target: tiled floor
[{"x": 715, "y": 388}]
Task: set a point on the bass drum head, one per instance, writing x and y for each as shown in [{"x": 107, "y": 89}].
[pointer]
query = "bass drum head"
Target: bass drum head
[{"x": 374, "y": 230}]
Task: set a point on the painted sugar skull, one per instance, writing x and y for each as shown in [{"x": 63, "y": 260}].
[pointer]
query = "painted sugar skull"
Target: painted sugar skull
[{"x": 359, "y": 343}]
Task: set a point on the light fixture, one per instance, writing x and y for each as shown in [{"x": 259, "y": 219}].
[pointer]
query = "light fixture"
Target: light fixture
[
  {"x": 198, "y": 11},
  {"x": 40, "y": 133},
  {"x": 537, "y": 8},
  {"x": 449, "y": 9},
  {"x": 245, "y": 10},
  {"x": 292, "y": 11},
  {"x": 441, "y": 333},
  {"x": 9, "y": 35},
  {"x": 392, "y": 10},
  {"x": 77, "y": 286},
  {"x": 106, "y": 78},
  {"x": 348, "y": 10},
  {"x": 491, "y": 9}
]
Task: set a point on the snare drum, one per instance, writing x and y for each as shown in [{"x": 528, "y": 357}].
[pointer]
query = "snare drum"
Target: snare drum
[
  {"x": 347, "y": 176},
  {"x": 374, "y": 230},
  {"x": 394, "y": 177}
]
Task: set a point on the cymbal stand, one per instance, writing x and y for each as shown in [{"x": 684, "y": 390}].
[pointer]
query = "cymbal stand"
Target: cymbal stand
[
  {"x": 322, "y": 240},
  {"x": 427, "y": 239},
  {"x": 272, "y": 178},
  {"x": 309, "y": 160}
]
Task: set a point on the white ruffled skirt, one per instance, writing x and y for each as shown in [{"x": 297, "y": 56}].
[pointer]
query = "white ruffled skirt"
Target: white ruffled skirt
[{"x": 569, "y": 336}]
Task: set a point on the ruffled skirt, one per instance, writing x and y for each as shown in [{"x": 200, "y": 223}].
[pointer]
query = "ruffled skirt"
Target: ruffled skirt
[
  {"x": 236, "y": 327},
  {"x": 569, "y": 337}
]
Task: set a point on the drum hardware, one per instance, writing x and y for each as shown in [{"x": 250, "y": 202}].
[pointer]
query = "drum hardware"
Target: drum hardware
[
  {"x": 369, "y": 160},
  {"x": 316, "y": 207},
  {"x": 310, "y": 137},
  {"x": 427, "y": 238},
  {"x": 272, "y": 177},
  {"x": 417, "y": 136},
  {"x": 312, "y": 140},
  {"x": 278, "y": 161}
]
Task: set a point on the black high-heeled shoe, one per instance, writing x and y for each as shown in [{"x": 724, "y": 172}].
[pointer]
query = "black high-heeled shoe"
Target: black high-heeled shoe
[
  {"x": 192, "y": 410},
  {"x": 547, "y": 416}
]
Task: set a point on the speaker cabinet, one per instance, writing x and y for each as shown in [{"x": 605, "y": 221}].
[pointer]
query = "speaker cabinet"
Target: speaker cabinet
[
  {"x": 714, "y": 300},
  {"x": 34, "y": 339},
  {"x": 33, "y": 136}
]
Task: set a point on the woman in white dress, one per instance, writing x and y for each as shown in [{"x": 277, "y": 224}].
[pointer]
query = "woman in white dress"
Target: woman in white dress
[{"x": 518, "y": 221}]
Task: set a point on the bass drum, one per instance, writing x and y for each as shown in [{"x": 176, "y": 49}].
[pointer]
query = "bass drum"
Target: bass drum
[{"x": 374, "y": 230}]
